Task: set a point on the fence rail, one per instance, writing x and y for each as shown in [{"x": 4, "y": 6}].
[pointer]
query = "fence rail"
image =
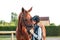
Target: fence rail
[{"x": 9, "y": 32}]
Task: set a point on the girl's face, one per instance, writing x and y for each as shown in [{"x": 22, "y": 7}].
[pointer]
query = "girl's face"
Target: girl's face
[{"x": 33, "y": 22}]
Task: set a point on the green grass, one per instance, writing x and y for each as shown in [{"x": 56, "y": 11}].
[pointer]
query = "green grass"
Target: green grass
[{"x": 6, "y": 37}]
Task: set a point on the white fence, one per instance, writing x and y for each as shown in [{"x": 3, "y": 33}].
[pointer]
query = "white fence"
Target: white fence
[{"x": 9, "y": 32}]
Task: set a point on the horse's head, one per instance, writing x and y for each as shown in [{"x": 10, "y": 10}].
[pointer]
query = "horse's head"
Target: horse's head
[{"x": 26, "y": 17}]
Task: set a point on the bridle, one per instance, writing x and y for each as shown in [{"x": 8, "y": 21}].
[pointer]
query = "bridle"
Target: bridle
[{"x": 28, "y": 27}]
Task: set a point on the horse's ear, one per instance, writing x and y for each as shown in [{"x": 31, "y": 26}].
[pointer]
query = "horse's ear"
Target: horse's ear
[
  {"x": 22, "y": 9},
  {"x": 30, "y": 9}
]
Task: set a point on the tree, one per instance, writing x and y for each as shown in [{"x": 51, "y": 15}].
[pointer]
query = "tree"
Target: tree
[
  {"x": 52, "y": 24},
  {"x": 2, "y": 23},
  {"x": 13, "y": 19},
  {"x": 13, "y": 16},
  {"x": 58, "y": 25}
]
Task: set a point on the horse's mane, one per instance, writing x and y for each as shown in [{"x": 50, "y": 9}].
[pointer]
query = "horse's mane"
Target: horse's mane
[{"x": 19, "y": 22}]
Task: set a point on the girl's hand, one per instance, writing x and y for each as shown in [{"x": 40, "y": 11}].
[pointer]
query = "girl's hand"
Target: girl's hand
[{"x": 32, "y": 31}]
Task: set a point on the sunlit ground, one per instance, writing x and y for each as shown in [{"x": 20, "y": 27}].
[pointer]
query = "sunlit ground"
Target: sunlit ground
[
  {"x": 53, "y": 38},
  {"x": 8, "y": 37}
]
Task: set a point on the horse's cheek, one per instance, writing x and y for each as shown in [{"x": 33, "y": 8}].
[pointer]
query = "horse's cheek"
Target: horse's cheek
[{"x": 24, "y": 29}]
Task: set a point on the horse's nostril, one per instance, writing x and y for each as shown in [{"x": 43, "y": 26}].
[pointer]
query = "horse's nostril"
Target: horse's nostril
[{"x": 30, "y": 25}]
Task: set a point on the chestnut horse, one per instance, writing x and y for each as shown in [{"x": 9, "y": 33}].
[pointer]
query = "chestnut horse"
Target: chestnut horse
[{"x": 24, "y": 23}]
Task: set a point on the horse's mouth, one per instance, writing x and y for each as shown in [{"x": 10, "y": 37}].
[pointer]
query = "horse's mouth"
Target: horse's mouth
[{"x": 29, "y": 27}]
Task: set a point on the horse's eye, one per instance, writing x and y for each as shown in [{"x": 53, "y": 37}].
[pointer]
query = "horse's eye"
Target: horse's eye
[
  {"x": 25, "y": 20},
  {"x": 31, "y": 19}
]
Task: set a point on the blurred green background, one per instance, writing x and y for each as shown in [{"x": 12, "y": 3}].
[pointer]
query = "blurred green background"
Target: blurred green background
[{"x": 52, "y": 30}]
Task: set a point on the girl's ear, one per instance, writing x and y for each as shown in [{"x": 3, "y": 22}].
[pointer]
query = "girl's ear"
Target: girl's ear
[{"x": 30, "y": 9}]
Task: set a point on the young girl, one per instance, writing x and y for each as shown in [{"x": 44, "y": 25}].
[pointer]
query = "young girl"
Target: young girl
[{"x": 38, "y": 32}]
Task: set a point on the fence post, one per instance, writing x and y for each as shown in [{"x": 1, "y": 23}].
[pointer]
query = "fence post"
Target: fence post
[
  {"x": 9, "y": 32},
  {"x": 12, "y": 36}
]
